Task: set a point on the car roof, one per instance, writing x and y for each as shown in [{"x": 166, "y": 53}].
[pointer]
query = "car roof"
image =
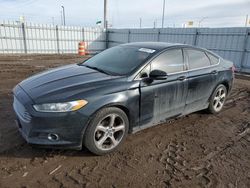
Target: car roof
[
  {"x": 154, "y": 45},
  {"x": 163, "y": 45}
]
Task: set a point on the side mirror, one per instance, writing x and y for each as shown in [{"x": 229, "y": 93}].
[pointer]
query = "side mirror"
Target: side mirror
[{"x": 158, "y": 75}]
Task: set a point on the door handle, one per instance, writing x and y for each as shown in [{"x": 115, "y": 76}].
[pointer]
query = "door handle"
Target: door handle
[
  {"x": 182, "y": 78},
  {"x": 214, "y": 72}
]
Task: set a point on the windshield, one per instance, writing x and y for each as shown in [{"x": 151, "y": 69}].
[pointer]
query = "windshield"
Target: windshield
[{"x": 120, "y": 60}]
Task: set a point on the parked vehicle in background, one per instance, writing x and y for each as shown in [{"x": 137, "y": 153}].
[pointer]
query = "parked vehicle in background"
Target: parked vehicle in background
[{"x": 122, "y": 90}]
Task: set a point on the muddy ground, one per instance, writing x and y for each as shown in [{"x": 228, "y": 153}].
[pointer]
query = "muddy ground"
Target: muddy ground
[{"x": 199, "y": 150}]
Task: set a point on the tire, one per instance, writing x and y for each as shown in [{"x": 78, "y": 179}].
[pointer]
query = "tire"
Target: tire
[
  {"x": 217, "y": 99},
  {"x": 106, "y": 131}
]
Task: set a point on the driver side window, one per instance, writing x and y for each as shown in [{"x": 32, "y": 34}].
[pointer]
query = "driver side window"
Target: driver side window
[{"x": 170, "y": 61}]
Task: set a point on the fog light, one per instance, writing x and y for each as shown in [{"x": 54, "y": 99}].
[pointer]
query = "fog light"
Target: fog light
[{"x": 53, "y": 137}]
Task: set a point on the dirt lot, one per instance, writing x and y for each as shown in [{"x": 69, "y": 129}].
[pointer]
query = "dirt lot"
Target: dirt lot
[{"x": 198, "y": 150}]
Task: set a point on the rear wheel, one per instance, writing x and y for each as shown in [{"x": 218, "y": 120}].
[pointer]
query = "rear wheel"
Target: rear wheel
[
  {"x": 106, "y": 131},
  {"x": 218, "y": 99}
]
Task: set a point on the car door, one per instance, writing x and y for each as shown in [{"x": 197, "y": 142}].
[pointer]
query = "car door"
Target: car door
[
  {"x": 162, "y": 99},
  {"x": 201, "y": 79}
]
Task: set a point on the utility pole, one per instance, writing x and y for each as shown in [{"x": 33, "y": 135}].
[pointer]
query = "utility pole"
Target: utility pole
[
  {"x": 105, "y": 22},
  {"x": 61, "y": 17},
  {"x": 63, "y": 12},
  {"x": 140, "y": 22},
  {"x": 246, "y": 20},
  {"x": 163, "y": 13}
]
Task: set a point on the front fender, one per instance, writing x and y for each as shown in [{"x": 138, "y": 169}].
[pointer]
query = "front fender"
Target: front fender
[{"x": 128, "y": 99}]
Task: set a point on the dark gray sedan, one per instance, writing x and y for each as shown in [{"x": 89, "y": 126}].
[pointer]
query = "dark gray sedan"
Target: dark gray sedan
[{"x": 121, "y": 90}]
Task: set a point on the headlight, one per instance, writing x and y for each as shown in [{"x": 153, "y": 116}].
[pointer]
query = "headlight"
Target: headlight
[{"x": 60, "y": 107}]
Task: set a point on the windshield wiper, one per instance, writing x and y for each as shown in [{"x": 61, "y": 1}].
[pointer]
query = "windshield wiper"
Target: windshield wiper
[{"x": 98, "y": 69}]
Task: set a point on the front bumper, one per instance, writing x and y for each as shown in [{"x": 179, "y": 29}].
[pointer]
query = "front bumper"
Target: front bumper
[{"x": 36, "y": 127}]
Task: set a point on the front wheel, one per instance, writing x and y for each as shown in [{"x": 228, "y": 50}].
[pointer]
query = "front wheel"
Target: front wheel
[
  {"x": 217, "y": 99},
  {"x": 106, "y": 131}
]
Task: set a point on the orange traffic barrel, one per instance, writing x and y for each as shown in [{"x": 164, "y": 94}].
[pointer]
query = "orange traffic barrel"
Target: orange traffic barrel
[{"x": 81, "y": 48}]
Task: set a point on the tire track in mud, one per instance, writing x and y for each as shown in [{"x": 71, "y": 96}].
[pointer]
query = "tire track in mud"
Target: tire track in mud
[
  {"x": 88, "y": 174},
  {"x": 242, "y": 137},
  {"x": 235, "y": 96},
  {"x": 75, "y": 177},
  {"x": 227, "y": 155},
  {"x": 173, "y": 157},
  {"x": 204, "y": 175},
  {"x": 178, "y": 169},
  {"x": 174, "y": 162}
]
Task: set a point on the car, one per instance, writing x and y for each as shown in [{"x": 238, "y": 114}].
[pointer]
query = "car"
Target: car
[{"x": 121, "y": 90}]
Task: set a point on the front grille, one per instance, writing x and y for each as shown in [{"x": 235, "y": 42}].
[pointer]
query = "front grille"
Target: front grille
[{"x": 21, "y": 111}]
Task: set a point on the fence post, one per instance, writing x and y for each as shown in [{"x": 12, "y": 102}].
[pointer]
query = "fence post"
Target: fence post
[
  {"x": 24, "y": 38},
  {"x": 57, "y": 40},
  {"x": 129, "y": 36},
  {"x": 243, "y": 56},
  {"x": 107, "y": 39},
  {"x": 83, "y": 37},
  {"x": 195, "y": 37},
  {"x": 158, "y": 35}
]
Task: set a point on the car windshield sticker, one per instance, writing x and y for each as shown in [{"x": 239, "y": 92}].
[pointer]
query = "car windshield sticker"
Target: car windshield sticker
[{"x": 147, "y": 50}]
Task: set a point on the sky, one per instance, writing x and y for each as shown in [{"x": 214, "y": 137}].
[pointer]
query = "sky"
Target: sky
[{"x": 127, "y": 13}]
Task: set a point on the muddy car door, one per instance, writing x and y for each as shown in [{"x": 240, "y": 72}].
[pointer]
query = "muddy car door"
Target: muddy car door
[
  {"x": 165, "y": 97},
  {"x": 201, "y": 79}
]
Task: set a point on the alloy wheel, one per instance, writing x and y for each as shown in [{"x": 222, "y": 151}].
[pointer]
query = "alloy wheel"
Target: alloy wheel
[
  {"x": 219, "y": 99},
  {"x": 109, "y": 132}
]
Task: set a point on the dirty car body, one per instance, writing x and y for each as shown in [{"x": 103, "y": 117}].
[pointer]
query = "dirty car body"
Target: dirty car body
[{"x": 144, "y": 92}]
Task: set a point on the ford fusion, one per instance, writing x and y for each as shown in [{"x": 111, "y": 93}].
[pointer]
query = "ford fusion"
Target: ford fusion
[{"x": 121, "y": 90}]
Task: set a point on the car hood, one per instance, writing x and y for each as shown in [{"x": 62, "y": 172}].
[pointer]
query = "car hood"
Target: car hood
[{"x": 63, "y": 83}]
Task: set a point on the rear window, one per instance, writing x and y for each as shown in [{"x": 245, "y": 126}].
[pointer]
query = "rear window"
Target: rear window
[
  {"x": 214, "y": 60},
  {"x": 197, "y": 59}
]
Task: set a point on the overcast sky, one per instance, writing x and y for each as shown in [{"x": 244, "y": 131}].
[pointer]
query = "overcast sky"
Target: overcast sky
[{"x": 127, "y": 13}]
